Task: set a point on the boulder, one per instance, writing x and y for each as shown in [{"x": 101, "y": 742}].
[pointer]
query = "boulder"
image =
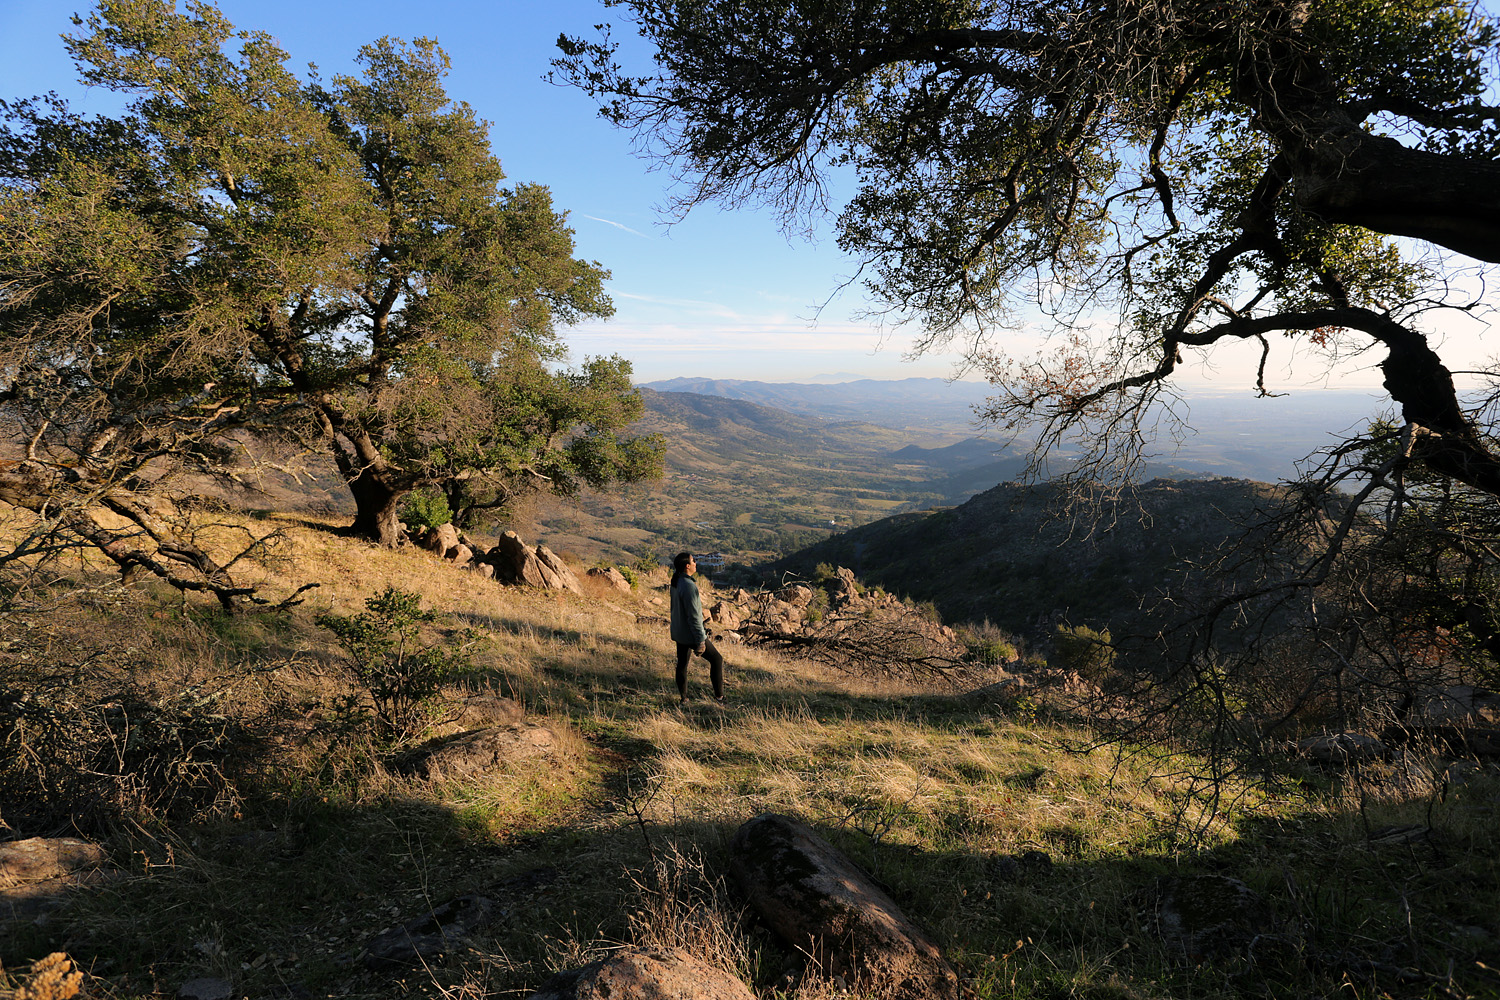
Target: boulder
[
  {"x": 1341, "y": 748},
  {"x": 1461, "y": 703},
  {"x": 725, "y": 615},
  {"x": 479, "y": 751},
  {"x": 556, "y": 572},
  {"x": 440, "y": 539},
  {"x": 845, "y": 590},
  {"x": 460, "y": 554},
  {"x": 432, "y": 934},
  {"x": 796, "y": 595},
  {"x": 611, "y": 576},
  {"x": 825, "y": 907},
  {"x": 484, "y": 569},
  {"x": 515, "y": 562},
  {"x": 644, "y": 974}
]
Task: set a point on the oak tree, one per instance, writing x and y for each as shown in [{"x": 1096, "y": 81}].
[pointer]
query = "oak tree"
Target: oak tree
[
  {"x": 1202, "y": 171},
  {"x": 246, "y": 253}
]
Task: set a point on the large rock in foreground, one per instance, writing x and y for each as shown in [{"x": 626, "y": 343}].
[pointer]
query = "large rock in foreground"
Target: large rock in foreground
[
  {"x": 480, "y": 752},
  {"x": 824, "y": 906},
  {"x": 644, "y": 974}
]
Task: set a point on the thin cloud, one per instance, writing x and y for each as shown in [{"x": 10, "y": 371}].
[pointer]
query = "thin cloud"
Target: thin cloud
[{"x": 618, "y": 225}]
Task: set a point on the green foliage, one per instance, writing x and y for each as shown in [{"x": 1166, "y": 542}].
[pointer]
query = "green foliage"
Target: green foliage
[
  {"x": 386, "y": 656},
  {"x": 256, "y": 251},
  {"x": 1080, "y": 648},
  {"x": 535, "y": 428},
  {"x": 425, "y": 508}
]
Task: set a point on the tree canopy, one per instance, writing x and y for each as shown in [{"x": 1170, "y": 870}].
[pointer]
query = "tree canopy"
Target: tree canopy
[
  {"x": 249, "y": 252},
  {"x": 1204, "y": 171}
]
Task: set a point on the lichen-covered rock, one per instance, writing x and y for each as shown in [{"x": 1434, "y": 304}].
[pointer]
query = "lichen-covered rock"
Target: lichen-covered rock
[
  {"x": 556, "y": 572},
  {"x": 440, "y": 539},
  {"x": 644, "y": 974},
  {"x": 41, "y": 858},
  {"x": 825, "y": 907},
  {"x": 611, "y": 576},
  {"x": 480, "y": 751},
  {"x": 1342, "y": 748}
]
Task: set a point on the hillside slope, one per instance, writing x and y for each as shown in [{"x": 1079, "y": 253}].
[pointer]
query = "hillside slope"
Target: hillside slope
[{"x": 1012, "y": 556}]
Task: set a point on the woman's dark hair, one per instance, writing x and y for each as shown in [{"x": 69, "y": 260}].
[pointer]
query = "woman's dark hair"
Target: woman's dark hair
[{"x": 679, "y": 566}]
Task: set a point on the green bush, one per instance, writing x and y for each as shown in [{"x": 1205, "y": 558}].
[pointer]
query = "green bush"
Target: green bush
[
  {"x": 631, "y": 576},
  {"x": 989, "y": 645},
  {"x": 386, "y": 657},
  {"x": 1080, "y": 648},
  {"x": 425, "y": 509}
]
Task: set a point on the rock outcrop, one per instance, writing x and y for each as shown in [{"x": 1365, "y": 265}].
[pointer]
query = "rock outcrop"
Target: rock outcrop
[
  {"x": 825, "y": 907},
  {"x": 516, "y": 562},
  {"x": 644, "y": 974},
  {"x": 480, "y": 751},
  {"x": 611, "y": 576}
]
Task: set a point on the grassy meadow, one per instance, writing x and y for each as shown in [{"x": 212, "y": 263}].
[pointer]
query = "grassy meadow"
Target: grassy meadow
[{"x": 269, "y": 836}]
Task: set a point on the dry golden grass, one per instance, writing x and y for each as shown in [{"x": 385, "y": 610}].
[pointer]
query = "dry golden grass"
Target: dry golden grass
[{"x": 623, "y": 835}]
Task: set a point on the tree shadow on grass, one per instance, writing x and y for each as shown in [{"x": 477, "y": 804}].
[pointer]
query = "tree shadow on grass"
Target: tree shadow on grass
[{"x": 284, "y": 901}]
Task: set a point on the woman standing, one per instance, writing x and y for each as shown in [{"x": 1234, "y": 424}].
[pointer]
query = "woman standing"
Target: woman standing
[{"x": 688, "y": 630}]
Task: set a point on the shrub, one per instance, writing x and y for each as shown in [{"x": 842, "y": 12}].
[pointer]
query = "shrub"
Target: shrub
[
  {"x": 1080, "y": 648},
  {"x": 425, "y": 509},
  {"x": 631, "y": 576},
  {"x": 386, "y": 657}
]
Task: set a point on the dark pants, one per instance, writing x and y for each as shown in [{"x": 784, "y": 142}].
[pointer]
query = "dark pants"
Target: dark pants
[{"x": 715, "y": 667}]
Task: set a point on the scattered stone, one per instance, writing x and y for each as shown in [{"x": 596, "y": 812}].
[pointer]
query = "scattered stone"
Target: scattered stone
[
  {"x": 479, "y": 751},
  {"x": 206, "y": 988},
  {"x": 1210, "y": 916},
  {"x": 644, "y": 974},
  {"x": 431, "y": 935},
  {"x": 825, "y": 907},
  {"x": 611, "y": 576},
  {"x": 725, "y": 615},
  {"x": 460, "y": 554}
]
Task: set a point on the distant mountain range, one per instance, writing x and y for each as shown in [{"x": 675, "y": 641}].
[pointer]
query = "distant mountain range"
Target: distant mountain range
[
  {"x": 1238, "y": 435},
  {"x": 931, "y": 404}
]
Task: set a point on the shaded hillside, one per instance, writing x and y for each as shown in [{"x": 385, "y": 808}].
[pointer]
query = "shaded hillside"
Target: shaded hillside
[{"x": 1007, "y": 554}]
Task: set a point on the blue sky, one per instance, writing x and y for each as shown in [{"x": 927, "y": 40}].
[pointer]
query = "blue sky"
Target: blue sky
[{"x": 721, "y": 294}]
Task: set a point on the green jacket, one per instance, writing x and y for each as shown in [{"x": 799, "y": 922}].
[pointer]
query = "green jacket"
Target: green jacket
[{"x": 687, "y": 614}]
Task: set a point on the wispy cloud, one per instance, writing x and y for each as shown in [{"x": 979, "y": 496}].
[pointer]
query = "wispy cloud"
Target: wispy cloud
[{"x": 618, "y": 225}]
